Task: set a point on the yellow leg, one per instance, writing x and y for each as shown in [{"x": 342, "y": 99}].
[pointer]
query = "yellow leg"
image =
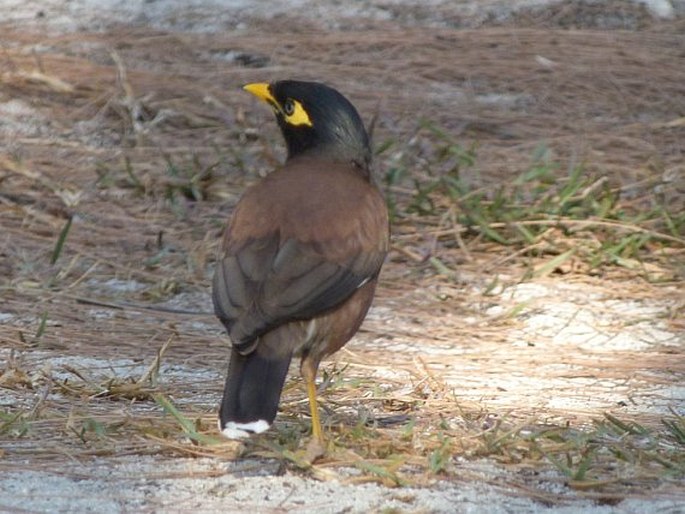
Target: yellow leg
[
  {"x": 317, "y": 445},
  {"x": 317, "y": 432}
]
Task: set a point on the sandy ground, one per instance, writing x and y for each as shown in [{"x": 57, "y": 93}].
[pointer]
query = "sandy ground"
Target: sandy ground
[
  {"x": 562, "y": 317},
  {"x": 151, "y": 485},
  {"x": 217, "y": 15}
]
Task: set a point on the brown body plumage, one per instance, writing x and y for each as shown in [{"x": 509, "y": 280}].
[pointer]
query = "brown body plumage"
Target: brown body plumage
[{"x": 300, "y": 256}]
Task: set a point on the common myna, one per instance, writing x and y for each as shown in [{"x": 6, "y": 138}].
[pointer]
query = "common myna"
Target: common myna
[{"x": 301, "y": 254}]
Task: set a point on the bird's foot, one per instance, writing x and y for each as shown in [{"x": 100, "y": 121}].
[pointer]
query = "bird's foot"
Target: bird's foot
[{"x": 316, "y": 448}]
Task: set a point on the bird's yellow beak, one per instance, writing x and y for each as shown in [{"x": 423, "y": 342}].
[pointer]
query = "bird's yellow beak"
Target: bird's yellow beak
[
  {"x": 296, "y": 118},
  {"x": 261, "y": 91}
]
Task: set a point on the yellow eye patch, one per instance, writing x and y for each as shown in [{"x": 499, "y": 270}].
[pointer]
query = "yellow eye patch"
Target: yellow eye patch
[
  {"x": 292, "y": 111},
  {"x": 298, "y": 116}
]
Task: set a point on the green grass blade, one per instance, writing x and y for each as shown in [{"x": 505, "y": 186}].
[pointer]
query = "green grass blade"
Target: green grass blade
[
  {"x": 57, "y": 251},
  {"x": 487, "y": 229},
  {"x": 553, "y": 264},
  {"x": 41, "y": 327},
  {"x": 379, "y": 471},
  {"x": 187, "y": 425}
]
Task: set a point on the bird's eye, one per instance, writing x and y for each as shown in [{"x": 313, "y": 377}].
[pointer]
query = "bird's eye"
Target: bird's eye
[
  {"x": 293, "y": 113},
  {"x": 289, "y": 107}
]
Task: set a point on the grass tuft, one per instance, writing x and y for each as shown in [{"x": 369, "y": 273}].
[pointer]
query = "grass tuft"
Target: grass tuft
[{"x": 564, "y": 216}]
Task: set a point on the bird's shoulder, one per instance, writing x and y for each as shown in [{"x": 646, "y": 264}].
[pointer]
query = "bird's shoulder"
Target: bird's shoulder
[{"x": 309, "y": 200}]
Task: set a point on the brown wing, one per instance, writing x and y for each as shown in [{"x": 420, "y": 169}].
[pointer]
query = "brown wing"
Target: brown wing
[{"x": 299, "y": 243}]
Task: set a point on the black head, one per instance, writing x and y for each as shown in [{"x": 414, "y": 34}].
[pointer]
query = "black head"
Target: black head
[{"x": 316, "y": 119}]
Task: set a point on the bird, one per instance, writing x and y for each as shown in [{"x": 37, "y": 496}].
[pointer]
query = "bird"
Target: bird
[{"x": 300, "y": 257}]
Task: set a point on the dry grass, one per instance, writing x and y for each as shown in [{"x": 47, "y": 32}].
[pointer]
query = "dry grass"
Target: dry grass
[{"x": 115, "y": 187}]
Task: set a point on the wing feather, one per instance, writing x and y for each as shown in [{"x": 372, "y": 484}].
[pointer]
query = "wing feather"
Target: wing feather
[{"x": 289, "y": 256}]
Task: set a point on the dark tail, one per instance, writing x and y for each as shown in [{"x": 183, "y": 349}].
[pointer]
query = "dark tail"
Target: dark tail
[{"x": 252, "y": 392}]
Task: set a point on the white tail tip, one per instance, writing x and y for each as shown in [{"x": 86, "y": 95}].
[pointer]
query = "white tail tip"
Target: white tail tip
[{"x": 242, "y": 430}]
